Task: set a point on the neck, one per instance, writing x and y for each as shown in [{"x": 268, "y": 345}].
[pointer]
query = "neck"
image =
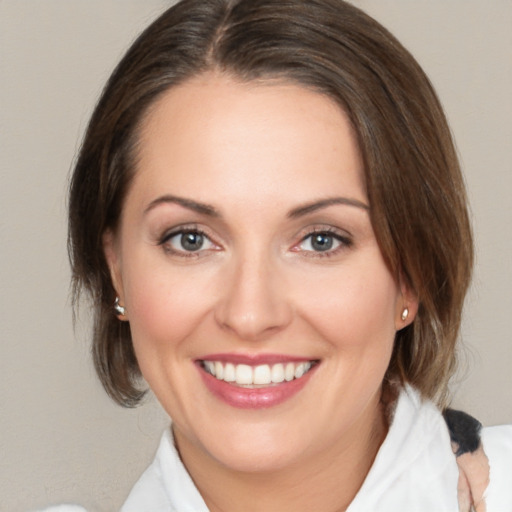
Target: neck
[{"x": 327, "y": 481}]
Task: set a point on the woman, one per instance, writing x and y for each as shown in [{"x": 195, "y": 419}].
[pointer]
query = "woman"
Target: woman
[{"x": 268, "y": 213}]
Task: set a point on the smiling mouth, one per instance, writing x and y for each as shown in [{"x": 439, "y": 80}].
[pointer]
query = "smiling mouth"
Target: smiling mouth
[{"x": 264, "y": 375}]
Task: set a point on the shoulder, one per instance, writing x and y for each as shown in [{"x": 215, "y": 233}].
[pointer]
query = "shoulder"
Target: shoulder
[
  {"x": 484, "y": 458},
  {"x": 166, "y": 485},
  {"x": 497, "y": 445},
  {"x": 415, "y": 468},
  {"x": 433, "y": 461}
]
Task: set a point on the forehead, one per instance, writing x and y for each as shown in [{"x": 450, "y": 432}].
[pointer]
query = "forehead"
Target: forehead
[{"x": 214, "y": 132}]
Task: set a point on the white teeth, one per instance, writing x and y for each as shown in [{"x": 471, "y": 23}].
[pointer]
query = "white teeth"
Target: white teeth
[
  {"x": 229, "y": 373},
  {"x": 261, "y": 375},
  {"x": 300, "y": 370},
  {"x": 244, "y": 374},
  {"x": 277, "y": 373},
  {"x": 210, "y": 367},
  {"x": 219, "y": 370},
  {"x": 289, "y": 372}
]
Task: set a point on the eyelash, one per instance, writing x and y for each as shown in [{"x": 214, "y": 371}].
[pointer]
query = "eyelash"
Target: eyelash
[
  {"x": 181, "y": 231},
  {"x": 344, "y": 241}
]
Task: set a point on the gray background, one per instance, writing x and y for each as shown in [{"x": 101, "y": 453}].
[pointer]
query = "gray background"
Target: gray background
[{"x": 61, "y": 439}]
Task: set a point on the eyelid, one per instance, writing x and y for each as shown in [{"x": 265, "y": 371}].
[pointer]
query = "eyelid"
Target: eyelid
[
  {"x": 343, "y": 237},
  {"x": 181, "y": 230},
  {"x": 324, "y": 228}
]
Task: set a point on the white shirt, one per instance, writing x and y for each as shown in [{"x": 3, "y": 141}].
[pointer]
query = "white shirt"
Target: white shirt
[{"x": 415, "y": 469}]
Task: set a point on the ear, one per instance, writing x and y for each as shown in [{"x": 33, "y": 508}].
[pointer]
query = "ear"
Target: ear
[
  {"x": 406, "y": 305},
  {"x": 112, "y": 256}
]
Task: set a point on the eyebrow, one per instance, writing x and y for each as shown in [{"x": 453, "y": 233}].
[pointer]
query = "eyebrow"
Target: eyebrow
[
  {"x": 211, "y": 211},
  {"x": 324, "y": 203},
  {"x": 202, "y": 208}
]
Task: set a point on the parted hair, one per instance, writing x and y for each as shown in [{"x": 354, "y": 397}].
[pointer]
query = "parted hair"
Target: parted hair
[{"x": 415, "y": 188}]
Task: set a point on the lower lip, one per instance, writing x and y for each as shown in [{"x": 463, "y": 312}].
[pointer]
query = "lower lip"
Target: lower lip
[{"x": 254, "y": 398}]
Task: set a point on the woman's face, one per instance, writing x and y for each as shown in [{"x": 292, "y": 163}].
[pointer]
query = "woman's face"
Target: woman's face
[{"x": 262, "y": 312}]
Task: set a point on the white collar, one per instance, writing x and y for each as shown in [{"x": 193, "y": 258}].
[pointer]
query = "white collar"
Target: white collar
[{"x": 414, "y": 470}]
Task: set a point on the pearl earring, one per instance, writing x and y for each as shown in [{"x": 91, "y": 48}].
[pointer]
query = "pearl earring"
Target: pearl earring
[
  {"x": 405, "y": 314},
  {"x": 120, "y": 310}
]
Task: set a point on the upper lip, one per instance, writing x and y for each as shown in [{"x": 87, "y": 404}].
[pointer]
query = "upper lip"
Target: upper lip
[{"x": 255, "y": 359}]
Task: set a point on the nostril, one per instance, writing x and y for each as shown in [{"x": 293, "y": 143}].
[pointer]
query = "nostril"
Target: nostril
[{"x": 252, "y": 322}]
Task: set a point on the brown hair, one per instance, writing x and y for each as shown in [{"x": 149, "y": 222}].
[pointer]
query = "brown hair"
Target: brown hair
[{"x": 414, "y": 184}]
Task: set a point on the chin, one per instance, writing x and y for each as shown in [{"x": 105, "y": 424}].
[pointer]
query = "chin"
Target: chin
[
  {"x": 249, "y": 448},
  {"x": 257, "y": 457}
]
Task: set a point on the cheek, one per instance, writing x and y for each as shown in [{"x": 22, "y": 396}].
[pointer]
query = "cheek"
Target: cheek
[
  {"x": 164, "y": 304},
  {"x": 354, "y": 308}
]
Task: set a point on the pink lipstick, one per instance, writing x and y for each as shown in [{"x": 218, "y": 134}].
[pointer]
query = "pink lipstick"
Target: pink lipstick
[{"x": 255, "y": 381}]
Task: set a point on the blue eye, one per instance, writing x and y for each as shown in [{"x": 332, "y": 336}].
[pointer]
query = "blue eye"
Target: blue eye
[
  {"x": 187, "y": 242},
  {"x": 191, "y": 241},
  {"x": 323, "y": 242}
]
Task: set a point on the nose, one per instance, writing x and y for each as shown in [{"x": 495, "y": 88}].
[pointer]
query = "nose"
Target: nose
[{"x": 253, "y": 304}]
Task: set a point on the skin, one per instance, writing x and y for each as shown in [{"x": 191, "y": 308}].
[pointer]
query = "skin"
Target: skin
[{"x": 255, "y": 153}]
